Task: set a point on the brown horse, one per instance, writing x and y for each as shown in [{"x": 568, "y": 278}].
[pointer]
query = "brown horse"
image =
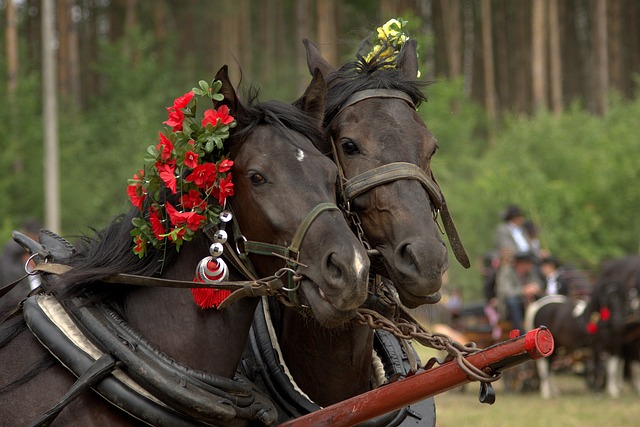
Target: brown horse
[
  {"x": 383, "y": 150},
  {"x": 279, "y": 178}
]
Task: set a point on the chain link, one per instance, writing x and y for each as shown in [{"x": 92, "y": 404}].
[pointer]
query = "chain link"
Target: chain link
[{"x": 410, "y": 330}]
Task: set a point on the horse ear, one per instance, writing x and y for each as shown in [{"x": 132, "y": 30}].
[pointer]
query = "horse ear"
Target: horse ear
[
  {"x": 315, "y": 59},
  {"x": 408, "y": 60},
  {"x": 230, "y": 98},
  {"x": 313, "y": 100}
]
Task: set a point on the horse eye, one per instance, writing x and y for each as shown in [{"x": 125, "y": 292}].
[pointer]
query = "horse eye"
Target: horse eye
[
  {"x": 349, "y": 147},
  {"x": 257, "y": 179}
]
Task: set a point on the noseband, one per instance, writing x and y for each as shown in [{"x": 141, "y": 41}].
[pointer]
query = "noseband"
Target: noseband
[
  {"x": 352, "y": 188},
  {"x": 290, "y": 254}
]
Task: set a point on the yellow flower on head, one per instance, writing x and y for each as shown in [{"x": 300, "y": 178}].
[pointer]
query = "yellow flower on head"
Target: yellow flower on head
[{"x": 390, "y": 37}]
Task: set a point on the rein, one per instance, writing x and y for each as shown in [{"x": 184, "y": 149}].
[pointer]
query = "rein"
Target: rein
[{"x": 352, "y": 188}]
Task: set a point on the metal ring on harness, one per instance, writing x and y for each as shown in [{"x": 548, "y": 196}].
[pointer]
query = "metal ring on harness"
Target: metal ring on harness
[{"x": 26, "y": 265}]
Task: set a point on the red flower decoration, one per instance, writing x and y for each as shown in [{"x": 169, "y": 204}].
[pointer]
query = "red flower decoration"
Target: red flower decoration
[
  {"x": 191, "y": 219},
  {"x": 212, "y": 116},
  {"x": 203, "y": 175},
  {"x": 224, "y": 190},
  {"x": 167, "y": 173},
  {"x": 177, "y": 234},
  {"x": 592, "y": 328},
  {"x": 175, "y": 120},
  {"x": 165, "y": 147},
  {"x": 224, "y": 165},
  {"x": 182, "y": 101},
  {"x": 136, "y": 192},
  {"x": 605, "y": 314},
  {"x": 192, "y": 200},
  {"x": 191, "y": 159},
  {"x": 156, "y": 224},
  {"x": 140, "y": 245}
]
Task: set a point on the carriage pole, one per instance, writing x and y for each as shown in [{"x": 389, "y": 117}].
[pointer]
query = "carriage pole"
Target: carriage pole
[{"x": 535, "y": 344}]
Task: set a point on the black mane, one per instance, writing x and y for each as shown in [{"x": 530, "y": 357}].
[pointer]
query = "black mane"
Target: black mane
[
  {"x": 361, "y": 74},
  {"x": 110, "y": 251}
]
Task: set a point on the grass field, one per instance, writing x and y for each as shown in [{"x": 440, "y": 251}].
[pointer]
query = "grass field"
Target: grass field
[{"x": 575, "y": 407}]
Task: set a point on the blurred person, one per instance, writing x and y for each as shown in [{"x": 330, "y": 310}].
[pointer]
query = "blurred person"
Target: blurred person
[
  {"x": 517, "y": 284},
  {"x": 510, "y": 233},
  {"x": 551, "y": 271}
]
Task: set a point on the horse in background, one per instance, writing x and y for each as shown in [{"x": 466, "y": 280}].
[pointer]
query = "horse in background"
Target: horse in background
[
  {"x": 607, "y": 326},
  {"x": 617, "y": 292},
  {"x": 280, "y": 178}
]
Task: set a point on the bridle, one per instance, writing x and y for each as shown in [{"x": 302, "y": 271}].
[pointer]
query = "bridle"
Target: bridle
[
  {"x": 351, "y": 188},
  {"x": 239, "y": 256}
]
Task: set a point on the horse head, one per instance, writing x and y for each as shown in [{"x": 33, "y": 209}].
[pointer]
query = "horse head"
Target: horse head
[
  {"x": 384, "y": 152},
  {"x": 285, "y": 197}
]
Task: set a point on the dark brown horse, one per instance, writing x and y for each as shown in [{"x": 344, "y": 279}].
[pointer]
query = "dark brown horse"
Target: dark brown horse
[
  {"x": 279, "y": 178},
  {"x": 383, "y": 150},
  {"x": 607, "y": 327}
]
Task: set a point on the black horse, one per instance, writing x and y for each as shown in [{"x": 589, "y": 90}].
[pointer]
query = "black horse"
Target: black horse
[
  {"x": 280, "y": 178},
  {"x": 607, "y": 326}
]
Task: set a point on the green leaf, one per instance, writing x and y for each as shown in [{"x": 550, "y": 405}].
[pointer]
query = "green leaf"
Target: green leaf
[
  {"x": 218, "y": 97},
  {"x": 197, "y": 91},
  {"x": 204, "y": 86}
]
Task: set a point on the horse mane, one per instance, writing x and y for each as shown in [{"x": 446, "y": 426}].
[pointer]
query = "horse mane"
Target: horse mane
[
  {"x": 280, "y": 115},
  {"x": 110, "y": 251},
  {"x": 362, "y": 74}
]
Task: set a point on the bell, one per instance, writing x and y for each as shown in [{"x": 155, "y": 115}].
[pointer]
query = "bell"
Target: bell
[
  {"x": 216, "y": 249},
  {"x": 220, "y": 236},
  {"x": 225, "y": 216}
]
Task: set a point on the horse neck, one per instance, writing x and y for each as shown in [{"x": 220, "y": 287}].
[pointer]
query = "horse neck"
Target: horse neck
[
  {"x": 329, "y": 365},
  {"x": 209, "y": 340}
]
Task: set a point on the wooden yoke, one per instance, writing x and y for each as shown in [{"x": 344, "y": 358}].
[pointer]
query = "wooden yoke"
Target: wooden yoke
[{"x": 536, "y": 344}]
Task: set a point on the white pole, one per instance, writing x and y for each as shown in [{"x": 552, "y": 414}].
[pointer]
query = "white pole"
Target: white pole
[{"x": 50, "y": 118}]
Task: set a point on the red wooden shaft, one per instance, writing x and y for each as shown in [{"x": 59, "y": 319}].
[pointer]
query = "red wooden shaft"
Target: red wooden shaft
[{"x": 535, "y": 344}]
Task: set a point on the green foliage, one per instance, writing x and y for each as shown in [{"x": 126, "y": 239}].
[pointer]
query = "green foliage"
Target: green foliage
[
  {"x": 104, "y": 145},
  {"x": 573, "y": 175},
  {"x": 21, "y": 186}
]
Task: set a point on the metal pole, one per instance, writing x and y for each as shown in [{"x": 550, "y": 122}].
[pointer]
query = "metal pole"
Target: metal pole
[
  {"x": 535, "y": 344},
  {"x": 50, "y": 118}
]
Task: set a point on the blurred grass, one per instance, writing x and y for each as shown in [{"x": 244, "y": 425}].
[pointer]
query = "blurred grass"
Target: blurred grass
[{"x": 575, "y": 407}]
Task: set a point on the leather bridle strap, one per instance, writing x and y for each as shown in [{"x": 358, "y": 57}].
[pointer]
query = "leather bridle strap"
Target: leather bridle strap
[
  {"x": 375, "y": 93},
  {"x": 401, "y": 170},
  {"x": 261, "y": 248},
  {"x": 389, "y": 173}
]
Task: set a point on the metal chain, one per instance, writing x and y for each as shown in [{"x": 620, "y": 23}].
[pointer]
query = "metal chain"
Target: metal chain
[{"x": 408, "y": 330}]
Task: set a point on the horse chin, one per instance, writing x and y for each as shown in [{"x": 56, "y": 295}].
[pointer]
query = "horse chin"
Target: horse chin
[
  {"x": 324, "y": 311},
  {"x": 411, "y": 300}
]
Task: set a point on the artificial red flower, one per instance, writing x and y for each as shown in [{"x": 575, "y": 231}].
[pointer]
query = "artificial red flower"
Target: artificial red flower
[
  {"x": 224, "y": 165},
  {"x": 167, "y": 173},
  {"x": 177, "y": 234},
  {"x": 175, "y": 120},
  {"x": 192, "y": 200},
  {"x": 156, "y": 224},
  {"x": 212, "y": 116},
  {"x": 592, "y": 328},
  {"x": 605, "y": 314},
  {"x": 136, "y": 192},
  {"x": 165, "y": 147},
  {"x": 224, "y": 190},
  {"x": 141, "y": 245},
  {"x": 182, "y": 101},
  {"x": 203, "y": 175},
  {"x": 191, "y": 219},
  {"x": 191, "y": 159}
]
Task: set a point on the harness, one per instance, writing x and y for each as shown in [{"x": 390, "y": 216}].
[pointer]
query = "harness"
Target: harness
[
  {"x": 93, "y": 342},
  {"x": 352, "y": 188}
]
